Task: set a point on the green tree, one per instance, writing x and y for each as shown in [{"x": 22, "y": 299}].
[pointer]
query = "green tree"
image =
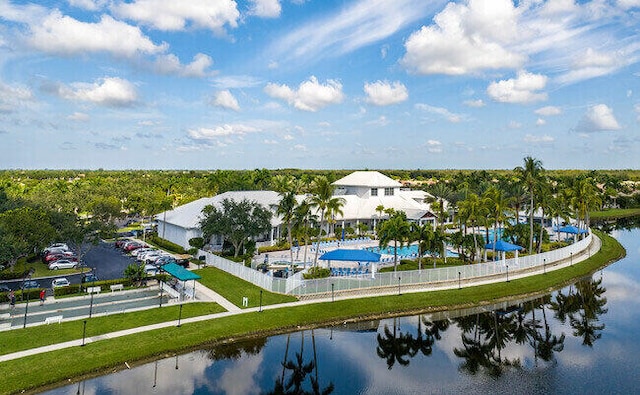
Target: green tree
[
  {"x": 287, "y": 206},
  {"x": 530, "y": 175},
  {"x": 135, "y": 272},
  {"x": 396, "y": 229},
  {"x": 322, "y": 199},
  {"x": 441, "y": 195},
  {"x": 235, "y": 222}
]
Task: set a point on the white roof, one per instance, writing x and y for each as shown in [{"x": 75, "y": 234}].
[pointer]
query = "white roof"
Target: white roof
[
  {"x": 369, "y": 179},
  {"x": 188, "y": 216},
  {"x": 359, "y": 208}
]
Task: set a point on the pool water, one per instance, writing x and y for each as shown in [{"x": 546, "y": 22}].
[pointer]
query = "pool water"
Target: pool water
[{"x": 411, "y": 250}]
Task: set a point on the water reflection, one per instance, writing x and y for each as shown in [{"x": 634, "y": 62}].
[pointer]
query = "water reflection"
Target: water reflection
[{"x": 509, "y": 340}]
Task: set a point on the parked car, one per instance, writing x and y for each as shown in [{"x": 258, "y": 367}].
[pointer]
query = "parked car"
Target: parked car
[
  {"x": 57, "y": 246},
  {"x": 133, "y": 246},
  {"x": 60, "y": 282},
  {"x": 29, "y": 284},
  {"x": 89, "y": 278},
  {"x": 121, "y": 242},
  {"x": 63, "y": 264},
  {"x": 184, "y": 262},
  {"x": 151, "y": 270},
  {"x": 56, "y": 256},
  {"x": 139, "y": 251},
  {"x": 4, "y": 288}
]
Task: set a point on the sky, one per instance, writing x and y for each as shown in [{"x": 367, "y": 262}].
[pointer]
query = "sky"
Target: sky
[{"x": 319, "y": 84}]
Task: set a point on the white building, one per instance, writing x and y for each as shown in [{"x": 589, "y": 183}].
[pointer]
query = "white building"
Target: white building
[
  {"x": 365, "y": 191},
  {"x": 183, "y": 223}
]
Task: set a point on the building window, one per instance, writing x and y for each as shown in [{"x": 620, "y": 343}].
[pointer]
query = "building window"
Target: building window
[
  {"x": 374, "y": 191},
  {"x": 388, "y": 192}
]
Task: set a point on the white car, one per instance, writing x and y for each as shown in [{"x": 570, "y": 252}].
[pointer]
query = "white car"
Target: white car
[
  {"x": 63, "y": 264},
  {"x": 140, "y": 251},
  {"x": 60, "y": 282},
  {"x": 151, "y": 270}
]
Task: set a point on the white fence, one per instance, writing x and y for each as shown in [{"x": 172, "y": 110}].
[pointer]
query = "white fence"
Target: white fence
[{"x": 296, "y": 285}]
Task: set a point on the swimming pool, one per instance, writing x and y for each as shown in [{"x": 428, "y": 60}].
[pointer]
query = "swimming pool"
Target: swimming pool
[{"x": 411, "y": 250}]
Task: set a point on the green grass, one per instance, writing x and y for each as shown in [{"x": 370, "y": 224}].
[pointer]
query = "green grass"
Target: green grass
[
  {"x": 427, "y": 263},
  {"x": 38, "y": 336},
  {"x": 615, "y": 213},
  {"x": 233, "y": 288},
  {"x": 30, "y": 372}
]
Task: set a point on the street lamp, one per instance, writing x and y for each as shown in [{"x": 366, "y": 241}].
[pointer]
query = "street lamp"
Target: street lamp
[
  {"x": 260, "y": 311},
  {"x": 399, "y": 286},
  {"x": 84, "y": 330},
  {"x": 26, "y": 308},
  {"x": 179, "y": 315},
  {"x": 507, "y": 273},
  {"x": 93, "y": 283}
]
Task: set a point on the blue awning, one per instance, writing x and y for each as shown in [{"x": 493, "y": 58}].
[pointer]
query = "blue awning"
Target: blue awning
[
  {"x": 179, "y": 272},
  {"x": 572, "y": 229},
  {"x": 351, "y": 255},
  {"x": 502, "y": 245}
]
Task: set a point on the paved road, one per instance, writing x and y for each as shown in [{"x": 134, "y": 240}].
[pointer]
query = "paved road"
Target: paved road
[{"x": 107, "y": 261}]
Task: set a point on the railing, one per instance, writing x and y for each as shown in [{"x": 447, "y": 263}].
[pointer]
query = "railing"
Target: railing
[{"x": 298, "y": 286}]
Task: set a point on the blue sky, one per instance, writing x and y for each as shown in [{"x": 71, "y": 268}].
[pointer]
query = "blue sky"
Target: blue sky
[{"x": 319, "y": 84}]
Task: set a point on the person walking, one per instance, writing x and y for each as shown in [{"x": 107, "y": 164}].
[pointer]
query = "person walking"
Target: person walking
[
  {"x": 42, "y": 295},
  {"x": 12, "y": 300}
]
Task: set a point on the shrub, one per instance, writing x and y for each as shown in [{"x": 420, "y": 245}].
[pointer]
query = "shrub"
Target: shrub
[
  {"x": 167, "y": 245},
  {"x": 317, "y": 272}
]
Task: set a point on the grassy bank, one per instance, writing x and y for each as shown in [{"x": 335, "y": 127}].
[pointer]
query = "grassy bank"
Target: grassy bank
[
  {"x": 615, "y": 213},
  {"x": 30, "y": 372}
]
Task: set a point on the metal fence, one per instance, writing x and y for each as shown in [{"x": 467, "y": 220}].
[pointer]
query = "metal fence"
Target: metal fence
[{"x": 296, "y": 285}]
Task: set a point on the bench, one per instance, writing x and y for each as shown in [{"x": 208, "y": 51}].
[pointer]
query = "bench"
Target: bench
[
  {"x": 54, "y": 318},
  {"x": 116, "y": 287},
  {"x": 94, "y": 290}
]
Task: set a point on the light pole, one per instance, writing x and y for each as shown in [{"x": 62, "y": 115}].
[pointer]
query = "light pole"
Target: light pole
[
  {"x": 260, "y": 311},
  {"x": 26, "y": 307},
  {"x": 179, "y": 315},
  {"x": 84, "y": 330},
  {"x": 507, "y": 273},
  {"x": 458, "y": 280},
  {"x": 399, "y": 286},
  {"x": 544, "y": 266},
  {"x": 93, "y": 283},
  {"x": 571, "y": 258},
  {"x": 332, "y": 296}
]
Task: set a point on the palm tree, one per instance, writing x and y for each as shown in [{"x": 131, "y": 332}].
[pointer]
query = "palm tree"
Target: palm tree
[
  {"x": 517, "y": 197},
  {"x": 584, "y": 198},
  {"x": 530, "y": 175},
  {"x": 322, "y": 199},
  {"x": 303, "y": 220},
  {"x": 380, "y": 211},
  {"x": 423, "y": 235},
  {"x": 396, "y": 229},
  {"x": 470, "y": 212},
  {"x": 441, "y": 194},
  {"x": 497, "y": 207},
  {"x": 287, "y": 205}
]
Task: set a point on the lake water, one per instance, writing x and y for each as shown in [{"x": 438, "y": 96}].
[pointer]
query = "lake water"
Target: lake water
[{"x": 583, "y": 339}]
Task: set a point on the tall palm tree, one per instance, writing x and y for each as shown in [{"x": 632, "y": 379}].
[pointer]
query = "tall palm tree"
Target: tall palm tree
[
  {"x": 423, "y": 235},
  {"x": 584, "y": 198},
  {"x": 530, "y": 175},
  {"x": 303, "y": 224},
  {"x": 322, "y": 199},
  {"x": 441, "y": 194},
  {"x": 497, "y": 206},
  {"x": 396, "y": 229},
  {"x": 517, "y": 197},
  {"x": 471, "y": 212},
  {"x": 287, "y": 206}
]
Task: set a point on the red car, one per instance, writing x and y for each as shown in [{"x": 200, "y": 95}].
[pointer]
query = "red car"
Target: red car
[
  {"x": 56, "y": 256},
  {"x": 133, "y": 246}
]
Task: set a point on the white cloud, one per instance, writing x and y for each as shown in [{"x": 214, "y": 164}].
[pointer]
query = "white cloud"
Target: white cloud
[
  {"x": 381, "y": 121},
  {"x": 626, "y": 4},
  {"x": 12, "y": 96},
  {"x": 465, "y": 38},
  {"x": 79, "y": 117},
  {"x": 598, "y": 118},
  {"x": 170, "y": 64},
  {"x": 383, "y": 93},
  {"x": 434, "y": 146},
  {"x": 359, "y": 24},
  {"x": 637, "y": 108},
  {"x": 226, "y": 100},
  {"x": 226, "y": 130},
  {"x": 178, "y": 15},
  {"x": 111, "y": 92},
  {"x": 266, "y": 8},
  {"x": 61, "y": 34},
  {"x": 474, "y": 103},
  {"x": 236, "y": 81},
  {"x": 591, "y": 63},
  {"x": 89, "y": 5},
  {"x": 540, "y": 122},
  {"x": 310, "y": 95},
  {"x": 545, "y": 139},
  {"x": 451, "y": 117},
  {"x": 523, "y": 89},
  {"x": 548, "y": 111}
]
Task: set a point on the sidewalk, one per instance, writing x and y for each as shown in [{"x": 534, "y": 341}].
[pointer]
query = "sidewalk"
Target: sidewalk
[{"x": 210, "y": 295}]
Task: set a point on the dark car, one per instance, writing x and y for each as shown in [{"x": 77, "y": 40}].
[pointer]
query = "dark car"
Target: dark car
[
  {"x": 89, "y": 278},
  {"x": 184, "y": 262},
  {"x": 29, "y": 284},
  {"x": 4, "y": 288}
]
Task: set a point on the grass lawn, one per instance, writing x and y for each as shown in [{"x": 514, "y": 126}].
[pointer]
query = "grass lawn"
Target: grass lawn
[
  {"x": 233, "y": 288},
  {"x": 615, "y": 213},
  {"x": 33, "y": 337},
  {"x": 30, "y": 372}
]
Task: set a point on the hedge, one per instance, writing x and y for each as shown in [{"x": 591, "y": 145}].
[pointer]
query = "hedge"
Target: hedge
[{"x": 167, "y": 245}]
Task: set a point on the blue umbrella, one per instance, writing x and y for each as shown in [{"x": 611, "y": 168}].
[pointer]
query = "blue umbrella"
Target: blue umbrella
[
  {"x": 502, "y": 245},
  {"x": 351, "y": 255},
  {"x": 572, "y": 229}
]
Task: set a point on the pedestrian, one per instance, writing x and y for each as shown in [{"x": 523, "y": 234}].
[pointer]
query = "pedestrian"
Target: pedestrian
[
  {"x": 42, "y": 295},
  {"x": 12, "y": 300}
]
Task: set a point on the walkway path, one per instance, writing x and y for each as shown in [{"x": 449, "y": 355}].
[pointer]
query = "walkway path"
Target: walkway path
[{"x": 210, "y": 295}]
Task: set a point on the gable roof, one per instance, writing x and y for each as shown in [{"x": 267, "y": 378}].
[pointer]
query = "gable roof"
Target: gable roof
[
  {"x": 188, "y": 215},
  {"x": 370, "y": 179}
]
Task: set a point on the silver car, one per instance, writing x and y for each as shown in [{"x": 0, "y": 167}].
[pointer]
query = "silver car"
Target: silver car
[
  {"x": 63, "y": 264},
  {"x": 60, "y": 282}
]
